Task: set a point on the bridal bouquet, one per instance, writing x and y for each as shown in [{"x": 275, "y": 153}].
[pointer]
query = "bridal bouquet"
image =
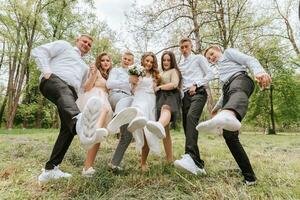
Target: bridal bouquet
[{"x": 136, "y": 70}]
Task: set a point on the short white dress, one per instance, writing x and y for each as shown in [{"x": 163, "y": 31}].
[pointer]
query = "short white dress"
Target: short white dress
[{"x": 99, "y": 90}]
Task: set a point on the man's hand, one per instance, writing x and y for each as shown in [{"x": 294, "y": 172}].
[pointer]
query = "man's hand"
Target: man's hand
[
  {"x": 263, "y": 79},
  {"x": 192, "y": 90},
  {"x": 47, "y": 75}
]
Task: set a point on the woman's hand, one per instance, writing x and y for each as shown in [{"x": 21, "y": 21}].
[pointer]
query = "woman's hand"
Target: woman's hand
[
  {"x": 156, "y": 89},
  {"x": 133, "y": 79},
  {"x": 93, "y": 69}
]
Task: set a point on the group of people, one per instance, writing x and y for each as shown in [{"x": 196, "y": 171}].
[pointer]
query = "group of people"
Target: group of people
[{"x": 98, "y": 100}]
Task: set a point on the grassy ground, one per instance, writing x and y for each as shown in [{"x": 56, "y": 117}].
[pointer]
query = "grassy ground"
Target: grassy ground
[{"x": 276, "y": 160}]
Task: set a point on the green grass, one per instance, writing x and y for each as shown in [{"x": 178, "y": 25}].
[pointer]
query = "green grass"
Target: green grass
[{"x": 275, "y": 158}]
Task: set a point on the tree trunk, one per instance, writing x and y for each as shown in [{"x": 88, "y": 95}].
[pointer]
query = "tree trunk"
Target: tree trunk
[
  {"x": 11, "y": 90},
  {"x": 38, "y": 116},
  {"x": 2, "y": 109},
  {"x": 2, "y": 55},
  {"x": 272, "y": 128}
]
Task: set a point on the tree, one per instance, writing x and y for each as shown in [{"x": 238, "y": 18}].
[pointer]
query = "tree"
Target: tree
[
  {"x": 285, "y": 15},
  {"x": 26, "y": 24},
  {"x": 278, "y": 105}
]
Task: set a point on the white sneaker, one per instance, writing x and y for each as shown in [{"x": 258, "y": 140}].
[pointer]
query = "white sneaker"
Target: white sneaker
[
  {"x": 157, "y": 129},
  {"x": 137, "y": 123},
  {"x": 101, "y": 133},
  {"x": 89, "y": 172},
  {"x": 249, "y": 183},
  {"x": 222, "y": 120},
  {"x": 200, "y": 171},
  {"x": 100, "y": 136},
  {"x": 186, "y": 163},
  {"x": 52, "y": 174},
  {"x": 115, "y": 168},
  {"x": 123, "y": 117},
  {"x": 87, "y": 121}
]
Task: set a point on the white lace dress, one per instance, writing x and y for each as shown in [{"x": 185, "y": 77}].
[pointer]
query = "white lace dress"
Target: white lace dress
[{"x": 145, "y": 102}]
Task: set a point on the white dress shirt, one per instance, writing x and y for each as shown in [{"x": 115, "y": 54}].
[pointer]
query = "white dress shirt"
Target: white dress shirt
[
  {"x": 195, "y": 71},
  {"x": 233, "y": 61},
  {"x": 118, "y": 79},
  {"x": 63, "y": 60}
]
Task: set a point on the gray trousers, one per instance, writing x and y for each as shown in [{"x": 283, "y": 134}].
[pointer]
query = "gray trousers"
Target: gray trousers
[
  {"x": 236, "y": 97},
  {"x": 119, "y": 101}
]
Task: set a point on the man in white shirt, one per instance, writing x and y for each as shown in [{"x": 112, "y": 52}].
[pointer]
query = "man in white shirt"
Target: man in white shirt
[
  {"x": 125, "y": 118},
  {"x": 237, "y": 88},
  {"x": 195, "y": 74},
  {"x": 63, "y": 74}
]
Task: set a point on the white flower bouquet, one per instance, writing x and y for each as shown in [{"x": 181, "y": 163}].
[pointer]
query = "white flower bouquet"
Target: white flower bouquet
[{"x": 136, "y": 70}]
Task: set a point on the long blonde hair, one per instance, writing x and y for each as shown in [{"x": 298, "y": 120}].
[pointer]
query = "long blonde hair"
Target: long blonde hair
[{"x": 154, "y": 70}]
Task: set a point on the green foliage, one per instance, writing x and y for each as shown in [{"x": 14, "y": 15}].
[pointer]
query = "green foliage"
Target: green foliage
[
  {"x": 54, "y": 20},
  {"x": 286, "y": 91}
]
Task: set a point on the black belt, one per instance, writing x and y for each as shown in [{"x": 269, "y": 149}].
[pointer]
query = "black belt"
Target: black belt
[
  {"x": 197, "y": 89},
  {"x": 226, "y": 83},
  {"x": 121, "y": 92}
]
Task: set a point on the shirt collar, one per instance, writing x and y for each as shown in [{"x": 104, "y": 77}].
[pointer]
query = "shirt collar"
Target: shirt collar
[
  {"x": 222, "y": 58},
  {"x": 188, "y": 58}
]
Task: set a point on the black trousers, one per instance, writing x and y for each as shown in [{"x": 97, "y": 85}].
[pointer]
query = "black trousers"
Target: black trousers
[
  {"x": 192, "y": 107},
  {"x": 236, "y": 97},
  {"x": 64, "y": 97}
]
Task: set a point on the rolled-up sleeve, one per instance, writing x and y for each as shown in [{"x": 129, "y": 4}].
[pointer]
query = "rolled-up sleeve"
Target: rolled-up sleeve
[
  {"x": 243, "y": 59},
  {"x": 43, "y": 54},
  {"x": 208, "y": 73}
]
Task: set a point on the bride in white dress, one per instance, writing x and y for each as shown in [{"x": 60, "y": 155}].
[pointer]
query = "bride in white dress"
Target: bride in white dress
[{"x": 145, "y": 102}]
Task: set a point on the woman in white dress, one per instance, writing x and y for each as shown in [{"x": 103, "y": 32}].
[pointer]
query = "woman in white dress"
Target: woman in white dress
[
  {"x": 95, "y": 86},
  {"x": 144, "y": 101}
]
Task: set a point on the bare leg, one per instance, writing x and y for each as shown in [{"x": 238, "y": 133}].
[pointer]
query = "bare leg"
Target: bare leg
[
  {"x": 165, "y": 116},
  {"x": 91, "y": 155},
  {"x": 164, "y": 119},
  {"x": 168, "y": 145},
  {"x": 145, "y": 153}
]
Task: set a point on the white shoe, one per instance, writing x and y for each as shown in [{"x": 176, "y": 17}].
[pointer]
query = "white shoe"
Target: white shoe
[
  {"x": 101, "y": 133},
  {"x": 200, "y": 171},
  {"x": 186, "y": 163},
  {"x": 100, "y": 136},
  {"x": 222, "y": 120},
  {"x": 87, "y": 121},
  {"x": 52, "y": 174},
  {"x": 137, "y": 123},
  {"x": 89, "y": 172},
  {"x": 157, "y": 129},
  {"x": 249, "y": 183},
  {"x": 115, "y": 168},
  {"x": 123, "y": 117}
]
